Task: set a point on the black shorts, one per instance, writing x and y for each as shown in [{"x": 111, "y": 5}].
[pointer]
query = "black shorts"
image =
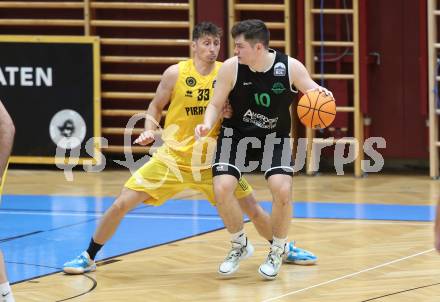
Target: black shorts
[{"x": 236, "y": 154}]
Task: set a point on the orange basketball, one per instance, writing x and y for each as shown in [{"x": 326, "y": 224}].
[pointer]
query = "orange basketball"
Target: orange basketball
[{"x": 316, "y": 110}]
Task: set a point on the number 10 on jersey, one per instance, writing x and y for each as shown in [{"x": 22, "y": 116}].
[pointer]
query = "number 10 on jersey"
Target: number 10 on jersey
[{"x": 262, "y": 99}]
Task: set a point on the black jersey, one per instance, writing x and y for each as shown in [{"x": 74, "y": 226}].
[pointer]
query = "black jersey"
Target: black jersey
[{"x": 261, "y": 100}]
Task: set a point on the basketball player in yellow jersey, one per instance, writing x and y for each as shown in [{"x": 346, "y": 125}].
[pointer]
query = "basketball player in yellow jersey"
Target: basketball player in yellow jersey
[
  {"x": 187, "y": 87},
  {"x": 7, "y": 131},
  {"x": 190, "y": 91}
]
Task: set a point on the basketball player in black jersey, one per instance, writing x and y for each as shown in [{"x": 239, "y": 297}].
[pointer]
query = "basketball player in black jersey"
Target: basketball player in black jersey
[{"x": 260, "y": 85}]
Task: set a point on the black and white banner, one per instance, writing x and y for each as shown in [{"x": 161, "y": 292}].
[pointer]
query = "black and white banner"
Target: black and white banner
[{"x": 50, "y": 86}]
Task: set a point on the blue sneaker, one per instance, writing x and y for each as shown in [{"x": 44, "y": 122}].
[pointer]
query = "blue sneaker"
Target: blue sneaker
[
  {"x": 296, "y": 255},
  {"x": 80, "y": 265}
]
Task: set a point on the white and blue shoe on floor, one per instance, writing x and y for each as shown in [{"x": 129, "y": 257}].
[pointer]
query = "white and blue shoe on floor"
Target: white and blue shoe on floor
[
  {"x": 299, "y": 256},
  {"x": 80, "y": 265},
  {"x": 237, "y": 253},
  {"x": 270, "y": 268}
]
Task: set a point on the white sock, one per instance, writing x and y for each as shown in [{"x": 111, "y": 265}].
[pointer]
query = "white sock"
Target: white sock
[
  {"x": 280, "y": 242},
  {"x": 239, "y": 237},
  {"x": 6, "y": 293}
]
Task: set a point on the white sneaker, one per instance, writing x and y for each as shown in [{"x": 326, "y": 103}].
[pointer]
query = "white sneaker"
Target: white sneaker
[
  {"x": 237, "y": 253},
  {"x": 7, "y": 296},
  {"x": 269, "y": 269}
]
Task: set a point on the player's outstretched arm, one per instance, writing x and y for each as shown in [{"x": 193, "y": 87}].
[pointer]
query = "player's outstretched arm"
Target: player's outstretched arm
[
  {"x": 7, "y": 132},
  {"x": 160, "y": 100},
  {"x": 223, "y": 86},
  {"x": 300, "y": 77}
]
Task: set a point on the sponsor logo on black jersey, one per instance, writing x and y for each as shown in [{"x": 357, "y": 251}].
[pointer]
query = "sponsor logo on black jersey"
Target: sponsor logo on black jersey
[
  {"x": 260, "y": 120},
  {"x": 278, "y": 88},
  {"x": 190, "y": 81},
  {"x": 221, "y": 168},
  {"x": 279, "y": 69}
]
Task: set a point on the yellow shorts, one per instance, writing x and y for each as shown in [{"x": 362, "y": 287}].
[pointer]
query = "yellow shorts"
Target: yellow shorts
[
  {"x": 3, "y": 181},
  {"x": 160, "y": 182}
]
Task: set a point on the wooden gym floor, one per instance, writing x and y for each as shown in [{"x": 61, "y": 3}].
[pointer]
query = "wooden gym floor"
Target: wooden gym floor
[{"x": 373, "y": 237}]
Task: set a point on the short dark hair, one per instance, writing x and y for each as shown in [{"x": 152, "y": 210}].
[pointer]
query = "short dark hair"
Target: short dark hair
[
  {"x": 206, "y": 28},
  {"x": 253, "y": 30}
]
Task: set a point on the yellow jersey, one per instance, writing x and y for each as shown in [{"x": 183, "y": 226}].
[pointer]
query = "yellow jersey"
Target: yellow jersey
[{"x": 189, "y": 99}]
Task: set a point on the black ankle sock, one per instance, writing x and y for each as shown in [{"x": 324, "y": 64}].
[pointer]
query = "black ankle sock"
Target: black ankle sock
[{"x": 93, "y": 249}]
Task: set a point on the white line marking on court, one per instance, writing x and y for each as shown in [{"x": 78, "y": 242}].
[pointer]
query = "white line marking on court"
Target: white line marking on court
[
  {"x": 347, "y": 276},
  {"x": 349, "y": 221}
]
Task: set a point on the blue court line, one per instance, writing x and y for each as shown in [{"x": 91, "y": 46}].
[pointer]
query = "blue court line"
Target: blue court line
[
  {"x": 364, "y": 211},
  {"x": 50, "y": 230}
]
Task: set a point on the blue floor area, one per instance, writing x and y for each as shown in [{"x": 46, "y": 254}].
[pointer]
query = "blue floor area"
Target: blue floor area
[
  {"x": 364, "y": 211},
  {"x": 39, "y": 233}
]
